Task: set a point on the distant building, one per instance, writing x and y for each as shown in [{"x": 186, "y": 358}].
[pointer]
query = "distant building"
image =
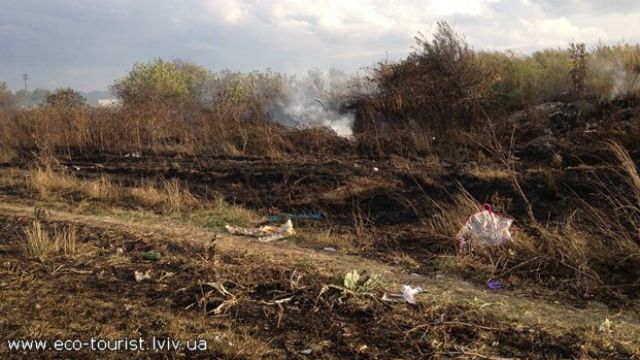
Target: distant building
[{"x": 109, "y": 102}]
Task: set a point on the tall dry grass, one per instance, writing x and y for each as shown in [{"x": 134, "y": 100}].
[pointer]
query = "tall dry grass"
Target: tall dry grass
[
  {"x": 39, "y": 242},
  {"x": 168, "y": 196}
]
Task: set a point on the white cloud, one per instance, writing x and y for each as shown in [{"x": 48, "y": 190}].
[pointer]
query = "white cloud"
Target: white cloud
[{"x": 47, "y": 39}]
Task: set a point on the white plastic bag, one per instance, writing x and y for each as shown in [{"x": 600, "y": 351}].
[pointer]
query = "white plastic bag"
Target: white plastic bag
[
  {"x": 407, "y": 294},
  {"x": 485, "y": 229}
]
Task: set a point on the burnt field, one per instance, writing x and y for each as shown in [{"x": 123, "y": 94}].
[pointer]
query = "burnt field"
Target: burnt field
[
  {"x": 287, "y": 299},
  {"x": 454, "y": 204}
]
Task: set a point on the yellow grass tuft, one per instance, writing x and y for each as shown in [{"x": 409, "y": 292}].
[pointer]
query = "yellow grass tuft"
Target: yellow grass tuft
[
  {"x": 45, "y": 182},
  {"x": 39, "y": 243}
]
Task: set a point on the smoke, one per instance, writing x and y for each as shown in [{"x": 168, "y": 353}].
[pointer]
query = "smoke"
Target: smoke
[
  {"x": 612, "y": 78},
  {"x": 315, "y": 101}
]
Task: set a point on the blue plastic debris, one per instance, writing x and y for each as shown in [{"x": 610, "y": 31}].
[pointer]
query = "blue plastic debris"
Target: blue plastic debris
[
  {"x": 315, "y": 216},
  {"x": 495, "y": 284}
]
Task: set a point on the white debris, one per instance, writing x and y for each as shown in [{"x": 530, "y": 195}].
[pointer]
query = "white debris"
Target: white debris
[
  {"x": 264, "y": 233},
  {"x": 407, "y": 294},
  {"x": 140, "y": 276},
  {"x": 135, "y": 155},
  {"x": 606, "y": 326},
  {"x": 306, "y": 352},
  {"x": 485, "y": 228},
  {"x": 330, "y": 249}
]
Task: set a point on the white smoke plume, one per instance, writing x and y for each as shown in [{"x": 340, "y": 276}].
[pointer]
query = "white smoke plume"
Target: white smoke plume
[
  {"x": 314, "y": 101},
  {"x": 612, "y": 78}
]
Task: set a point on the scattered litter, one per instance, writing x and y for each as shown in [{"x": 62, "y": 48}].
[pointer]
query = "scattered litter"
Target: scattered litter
[
  {"x": 306, "y": 352},
  {"x": 140, "y": 276},
  {"x": 414, "y": 274},
  {"x": 407, "y": 294},
  {"x": 330, "y": 249},
  {"x": 151, "y": 255},
  {"x": 120, "y": 250},
  {"x": 376, "y": 169},
  {"x": 315, "y": 216},
  {"x": 485, "y": 228},
  {"x": 135, "y": 155},
  {"x": 495, "y": 284},
  {"x": 440, "y": 277},
  {"x": 264, "y": 233}
]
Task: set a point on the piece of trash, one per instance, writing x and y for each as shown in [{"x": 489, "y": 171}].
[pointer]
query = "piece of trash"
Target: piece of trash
[
  {"x": 414, "y": 274},
  {"x": 315, "y": 216},
  {"x": 140, "y": 276},
  {"x": 485, "y": 228},
  {"x": 264, "y": 233},
  {"x": 151, "y": 255},
  {"x": 376, "y": 169},
  {"x": 135, "y": 155},
  {"x": 407, "y": 294},
  {"x": 306, "y": 352},
  {"x": 440, "y": 277},
  {"x": 330, "y": 249},
  {"x": 606, "y": 326},
  {"x": 120, "y": 250},
  {"x": 495, "y": 284}
]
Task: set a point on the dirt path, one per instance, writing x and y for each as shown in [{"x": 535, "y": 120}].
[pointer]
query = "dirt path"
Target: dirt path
[{"x": 517, "y": 306}]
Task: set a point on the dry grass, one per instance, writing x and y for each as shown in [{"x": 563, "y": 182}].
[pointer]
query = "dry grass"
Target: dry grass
[
  {"x": 448, "y": 218},
  {"x": 46, "y": 182},
  {"x": 100, "y": 189},
  {"x": 330, "y": 239},
  {"x": 147, "y": 195},
  {"x": 170, "y": 196},
  {"x": 176, "y": 198},
  {"x": 220, "y": 213},
  {"x": 40, "y": 243}
]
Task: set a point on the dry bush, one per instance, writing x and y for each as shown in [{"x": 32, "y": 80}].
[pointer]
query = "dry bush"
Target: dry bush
[{"x": 39, "y": 243}]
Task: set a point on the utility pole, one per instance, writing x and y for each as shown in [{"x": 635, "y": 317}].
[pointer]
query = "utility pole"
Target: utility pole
[{"x": 25, "y": 77}]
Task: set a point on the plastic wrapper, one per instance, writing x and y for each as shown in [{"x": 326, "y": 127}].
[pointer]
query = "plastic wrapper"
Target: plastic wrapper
[{"x": 485, "y": 229}]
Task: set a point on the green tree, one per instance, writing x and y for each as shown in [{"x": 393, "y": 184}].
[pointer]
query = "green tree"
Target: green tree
[
  {"x": 8, "y": 100},
  {"x": 66, "y": 98},
  {"x": 174, "y": 82}
]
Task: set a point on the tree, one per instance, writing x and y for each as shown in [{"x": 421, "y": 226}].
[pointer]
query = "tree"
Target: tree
[
  {"x": 175, "y": 82},
  {"x": 8, "y": 100},
  {"x": 66, "y": 98},
  {"x": 39, "y": 96}
]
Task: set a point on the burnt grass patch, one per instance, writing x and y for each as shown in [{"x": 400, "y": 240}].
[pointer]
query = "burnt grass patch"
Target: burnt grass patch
[{"x": 272, "y": 310}]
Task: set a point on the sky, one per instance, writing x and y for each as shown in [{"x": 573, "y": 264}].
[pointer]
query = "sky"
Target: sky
[{"x": 88, "y": 44}]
